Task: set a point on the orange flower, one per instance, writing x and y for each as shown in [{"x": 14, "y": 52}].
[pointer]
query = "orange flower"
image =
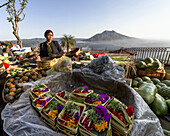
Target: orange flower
[
  {"x": 38, "y": 105},
  {"x": 84, "y": 93},
  {"x": 121, "y": 118},
  {"x": 97, "y": 102}
]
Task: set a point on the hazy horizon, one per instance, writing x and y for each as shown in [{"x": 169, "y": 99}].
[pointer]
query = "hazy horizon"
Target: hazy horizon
[{"x": 83, "y": 19}]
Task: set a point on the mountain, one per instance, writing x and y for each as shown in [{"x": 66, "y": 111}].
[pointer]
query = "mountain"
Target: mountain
[
  {"x": 33, "y": 42},
  {"x": 108, "y": 36}
]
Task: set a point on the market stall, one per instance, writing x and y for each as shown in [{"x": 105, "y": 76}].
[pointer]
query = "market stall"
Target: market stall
[{"x": 21, "y": 118}]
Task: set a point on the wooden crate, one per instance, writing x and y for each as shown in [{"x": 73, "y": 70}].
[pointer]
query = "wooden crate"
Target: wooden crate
[
  {"x": 43, "y": 64},
  {"x": 152, "y": 74}
]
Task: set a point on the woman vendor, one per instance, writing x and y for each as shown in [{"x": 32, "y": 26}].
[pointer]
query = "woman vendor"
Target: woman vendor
[{"x": 50, "y": 48}]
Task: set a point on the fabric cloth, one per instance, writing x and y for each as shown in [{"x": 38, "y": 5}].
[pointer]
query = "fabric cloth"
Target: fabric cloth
[
  {"x": 56, "y": 49},
  {"x": 20, "y": 118},
  {"x": 49, "y": 49}
]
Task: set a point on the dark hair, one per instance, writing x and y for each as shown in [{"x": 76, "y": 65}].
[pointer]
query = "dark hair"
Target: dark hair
[{"x": 47, "y": 32}]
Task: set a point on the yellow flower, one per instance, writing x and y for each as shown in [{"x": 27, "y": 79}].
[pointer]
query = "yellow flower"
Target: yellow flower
[
  {"x": 55, "y": 111},
  {"x": 102, "y": 126}
]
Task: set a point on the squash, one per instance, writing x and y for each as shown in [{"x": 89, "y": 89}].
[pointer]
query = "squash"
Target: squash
[
  {"x": 165, "y": 92},
  {"x": 147, "y": 92},
  {"x": 167, "y": 82},
  {"x": 155, "y": 80},
  {"x": 159, "y": 106}
]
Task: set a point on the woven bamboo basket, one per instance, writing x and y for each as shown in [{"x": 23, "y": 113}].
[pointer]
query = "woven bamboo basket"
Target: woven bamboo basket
[{"x": 61, "y": 126}]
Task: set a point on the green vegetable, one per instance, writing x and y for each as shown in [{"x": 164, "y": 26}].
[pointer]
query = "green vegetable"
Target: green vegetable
[
  {"x": 140, "y": 83},
  {"x": 18, "y": 91},
  {"x": 149, "y": 66},
  {"x": 168, "y": 103},
  {"x": 162, "y": 84},
  {"x": 158, "y": 87},
  {"x": 156, "y": 60},
  {"x": 147, "y": 92},
  {"x": 6, "y": 91},
  {"x": 149, "y": 81},
  {"x": 155, "y": 80},
  {"x": 17, "y": 86},
  {"x": 17, "y": 78},
  {"x": 148, "y": 60},
  {"x": 138, "y": 79},
  {"x": 167, "y": 82},
  {"x": 134, "y": 83},
  {"x": 165, "y": 92},
  {"x": 141, "y": 64},
  {"x": 159, "y": 106},
  {"x": 156, "y": 65},
  {"x": 145, "y": 78},
  {"x": 10, "y": 99},
  {"x": 135, "y": 88},
  {"x": 166, "y": 132}
]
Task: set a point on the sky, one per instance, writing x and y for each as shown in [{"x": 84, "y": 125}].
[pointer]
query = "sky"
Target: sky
[{"x": 148, "y": 19}]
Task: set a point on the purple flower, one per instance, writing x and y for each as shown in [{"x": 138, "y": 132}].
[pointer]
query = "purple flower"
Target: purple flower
[
  {"x": 85, "y": 89},
  {"x": 76, "y": 116},
  {"x": 103, "y": 97},
  {"x": 60, "y": 107},
  {"x": 48, "y": 99},
  {"x": 43, "y": 103},
  {"x": 102, "y": 112},
  {"x": 45, "y": 90}
]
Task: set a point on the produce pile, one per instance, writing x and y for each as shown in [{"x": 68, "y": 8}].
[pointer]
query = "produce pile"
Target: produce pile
[
  {"x": 92, "y": 114},
  {"x": 155, "y": 93},
  {"x": 8, "y": 60},
  {"x": 149, "y": 64},
  {"x": 12, "y": 90},
  {"x": 13, "y": 72}
]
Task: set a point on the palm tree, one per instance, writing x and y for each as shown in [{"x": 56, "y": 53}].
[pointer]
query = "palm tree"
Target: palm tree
[{"x": 68, "y": 41}]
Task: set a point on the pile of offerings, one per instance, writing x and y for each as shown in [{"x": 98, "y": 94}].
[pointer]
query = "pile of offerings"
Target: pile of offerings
[{"x": 82, "y": 112}]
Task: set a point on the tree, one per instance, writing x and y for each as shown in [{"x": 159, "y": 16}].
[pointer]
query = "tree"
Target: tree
[
  {"x": 68, "y": 41},
  {"x": 14, "y": 16},
  {"x": 6, "y": 3}
]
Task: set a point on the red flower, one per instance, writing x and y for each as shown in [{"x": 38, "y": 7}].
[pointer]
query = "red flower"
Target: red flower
[
  {"x": 62, "y": 94},
  {"x": 130, "y": 111},
  {"x": 76, "y": 91},
  {"x": 88, "y": 100}
]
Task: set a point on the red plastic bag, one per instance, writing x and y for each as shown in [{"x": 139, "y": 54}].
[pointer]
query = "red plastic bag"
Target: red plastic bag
[
  {"x": 6, "y": 65},
  {"x": 96, "y": 55},
  {"x": 64, "y": 54}
]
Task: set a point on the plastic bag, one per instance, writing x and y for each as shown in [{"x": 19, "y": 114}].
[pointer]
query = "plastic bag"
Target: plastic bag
[
  {"x": 53, "y": 62},
  {"x": 105, "y": 67},
  {"x": 50, "y": 71},
  {"x": 64, "y": 64}
]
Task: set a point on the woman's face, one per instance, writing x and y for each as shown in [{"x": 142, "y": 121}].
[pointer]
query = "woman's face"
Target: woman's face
[{"x": 49, "y": 37}]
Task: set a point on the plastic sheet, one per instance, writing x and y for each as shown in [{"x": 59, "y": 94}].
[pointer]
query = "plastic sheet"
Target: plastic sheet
[{"x": 20, "y": 119}]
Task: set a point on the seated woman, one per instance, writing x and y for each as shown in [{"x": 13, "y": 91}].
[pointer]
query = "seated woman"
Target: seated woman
[{"x": 50, "y": 48}]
